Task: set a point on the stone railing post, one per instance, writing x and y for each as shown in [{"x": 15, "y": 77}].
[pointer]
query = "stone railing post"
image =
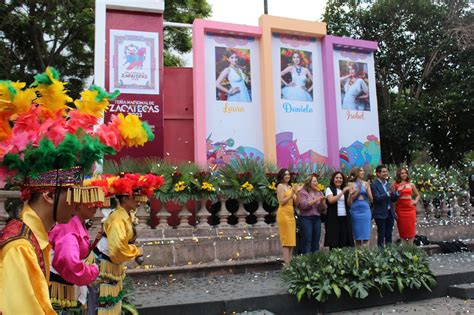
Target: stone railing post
[
  {"x": 98, "y": 216},
  {"x": 203, "y": 214},
  {"x": 241, "y": 215},
  {"x": 443, "y": 209},
  {"x": 142, "y": 215},
  {"x": 184, "y": 216},
  {"x": 163, "y": 216},
  {"x": 431, "y": 211},
  {"x": 420, "y": 212},
  {"x": 469, "y": 207},
  {"x": 260, "y": 214},
  {"x": 4, "y": 194},
  {"x": 224, "y": 214},
  {"x": 3, "y": 212},
  {"x": 456, "y": 209}
]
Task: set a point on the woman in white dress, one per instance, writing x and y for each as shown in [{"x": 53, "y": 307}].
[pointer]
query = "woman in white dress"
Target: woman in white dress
[
  {"x": 237, "y": 92},
  {"x": 296, "y": 89},
  {"x": 356, "y": 91}
]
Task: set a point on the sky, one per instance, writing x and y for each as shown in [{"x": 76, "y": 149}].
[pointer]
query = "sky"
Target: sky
[{"x": 248, "y": 12}]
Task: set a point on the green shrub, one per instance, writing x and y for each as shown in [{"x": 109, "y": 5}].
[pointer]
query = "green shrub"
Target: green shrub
[{"x": 357, "y": 271}]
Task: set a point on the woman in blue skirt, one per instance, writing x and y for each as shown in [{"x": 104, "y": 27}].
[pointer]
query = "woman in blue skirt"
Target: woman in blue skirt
[{"x": 361, "y": 216}]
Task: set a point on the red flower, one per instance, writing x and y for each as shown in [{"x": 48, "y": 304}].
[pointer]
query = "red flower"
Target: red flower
[
  {"x": 122, "y": 186},
  {"x": 79, "y": 120}
]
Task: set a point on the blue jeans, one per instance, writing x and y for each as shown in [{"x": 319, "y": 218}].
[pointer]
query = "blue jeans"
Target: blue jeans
[
  {"x": 311, "y": 231},
  {"x": 384, "y": 231}
]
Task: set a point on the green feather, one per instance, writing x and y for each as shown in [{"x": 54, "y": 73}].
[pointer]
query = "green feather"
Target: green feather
[
  {"x": 10, "y": 88},
  {"x": 92, "y": 151},
  {"x": 43, "y": 78},
  {"x": 67, "y": 151},
  {"x": 148, "y": 131},
  {"x": 13, "y": 162},
  {"x": 103, "y": 93},
  {"x": 41, "y": 158}
]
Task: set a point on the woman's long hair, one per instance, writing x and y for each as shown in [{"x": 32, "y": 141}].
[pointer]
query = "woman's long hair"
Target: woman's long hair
[
  {"x": 344, "y": 180},
  {"x": 354, "y": 174},
  {"x": 307, "y": 182},
  {"x": 398, "y": 178},
  {"x": 281, "y": 174}
]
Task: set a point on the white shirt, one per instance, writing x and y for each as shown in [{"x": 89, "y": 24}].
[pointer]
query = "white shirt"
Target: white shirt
[{"x": 341, "y": 206}]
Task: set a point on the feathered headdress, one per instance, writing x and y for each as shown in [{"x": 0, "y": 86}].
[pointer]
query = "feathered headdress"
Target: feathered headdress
[
  {"x": 141, "y": 187},
  {"x": 41, "y": 135}
]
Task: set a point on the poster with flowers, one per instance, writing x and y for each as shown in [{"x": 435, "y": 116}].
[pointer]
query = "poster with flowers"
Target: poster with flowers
[
  {"x": 232, "y": 99},
  {"x": 357, "y": 113},
  {"x": 134, "y": 63},
  {"x": 300, "y": 116},
  {"x": 233, "y": 75},
  {"x": 296, "y": 72}
]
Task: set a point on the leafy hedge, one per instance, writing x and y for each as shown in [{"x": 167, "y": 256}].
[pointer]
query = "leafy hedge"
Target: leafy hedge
[
  {"x": 356, "y": 271},
  {"x": 251, "y": 180}
]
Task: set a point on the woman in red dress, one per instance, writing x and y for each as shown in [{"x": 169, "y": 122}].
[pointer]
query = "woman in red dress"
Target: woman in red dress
[{"x": 406, "y": 206}]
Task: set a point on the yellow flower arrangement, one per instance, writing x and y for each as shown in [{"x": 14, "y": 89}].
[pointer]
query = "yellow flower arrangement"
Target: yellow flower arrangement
[
  {"x": 90, "y": 104},
  {"x": 130, "y": 128},
  {"x": 247, "y": 186},
  {"x": 272, "y": 186},
  {"x": 53, "y": 95},
  {"x": 179, "y": 186},
  {"x": 208, "y": 186}
]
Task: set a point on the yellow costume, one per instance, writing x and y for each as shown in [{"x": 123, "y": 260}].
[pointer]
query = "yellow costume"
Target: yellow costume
[
  {"x": 44, "y": 160},
  {"x": 23, "y": 285},
  {"x": 119, "y": 232},
  {"x": 286, "y": 222}
]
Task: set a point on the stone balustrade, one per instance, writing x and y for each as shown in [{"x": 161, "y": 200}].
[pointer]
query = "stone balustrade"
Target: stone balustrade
[
  {"x": 229, "y": 232},
  {"x": 233, "y": 213}
]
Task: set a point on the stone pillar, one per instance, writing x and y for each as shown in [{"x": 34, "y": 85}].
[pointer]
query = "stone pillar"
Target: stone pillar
[
  {"x": 98, "y": 216},
  {"x": 4, "y": 194},
  {"x": 431, "y": 211},
  {"x": 142, "y": 214},
  {"x": 163, "y": 216},
  {"x": 260, "y": 214},
  {"x": 3, "y": 212},
  {"x": 203, "y": 214},
  {"x": 241, "y": 215},
  {"x": 443, "y": 209},
  {"x": 456, "y": 209},
  {"x": 184, "y": 216},
  {"x": 224, "y": 214},
  {"x": 420, "y": 212}
]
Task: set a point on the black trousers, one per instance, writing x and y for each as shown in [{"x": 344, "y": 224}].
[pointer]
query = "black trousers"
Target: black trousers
[{"x": 384, "y": 231}]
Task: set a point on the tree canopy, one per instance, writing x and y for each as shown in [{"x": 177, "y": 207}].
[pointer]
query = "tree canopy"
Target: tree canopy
[
  {"x": 423, "y": 69},
  {"x": 40, "y": 33},
  {"x": 35, "y": 34},
  {"x": 177, "y": 41}
]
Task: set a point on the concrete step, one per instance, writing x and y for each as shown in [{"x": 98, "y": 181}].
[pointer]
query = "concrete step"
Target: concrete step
[
  {"x": 264, "y": 291},
  {"x": 229, "y": 266},
  {"x": 257, "y": 312},
  {"x": 462, "y": 291}
]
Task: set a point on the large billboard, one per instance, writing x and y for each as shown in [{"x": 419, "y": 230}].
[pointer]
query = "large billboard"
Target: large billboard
[
  {"x": 300, "y": 126},
  {"x": 356, "y": 104},
  {"x": 232, "y": 98}
]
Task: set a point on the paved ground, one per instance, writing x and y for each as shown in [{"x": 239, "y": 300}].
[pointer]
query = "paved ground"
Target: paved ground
[
  {"x": 443, "y": 305},
  {"x": 216, "y": 288}
]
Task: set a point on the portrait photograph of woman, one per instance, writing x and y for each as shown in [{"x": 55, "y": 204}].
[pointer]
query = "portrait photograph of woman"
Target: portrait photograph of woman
[
  {"x": 233, "y": 81},
  {"x": 354, "y": 85},
  {"x": 296, "y": 75}
]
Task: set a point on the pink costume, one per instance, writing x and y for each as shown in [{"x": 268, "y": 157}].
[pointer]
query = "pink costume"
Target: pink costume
[{"x": 70, "y": 244}]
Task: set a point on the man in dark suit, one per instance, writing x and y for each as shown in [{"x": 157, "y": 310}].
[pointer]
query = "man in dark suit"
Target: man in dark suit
[{"x": 383, "y": 210}]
